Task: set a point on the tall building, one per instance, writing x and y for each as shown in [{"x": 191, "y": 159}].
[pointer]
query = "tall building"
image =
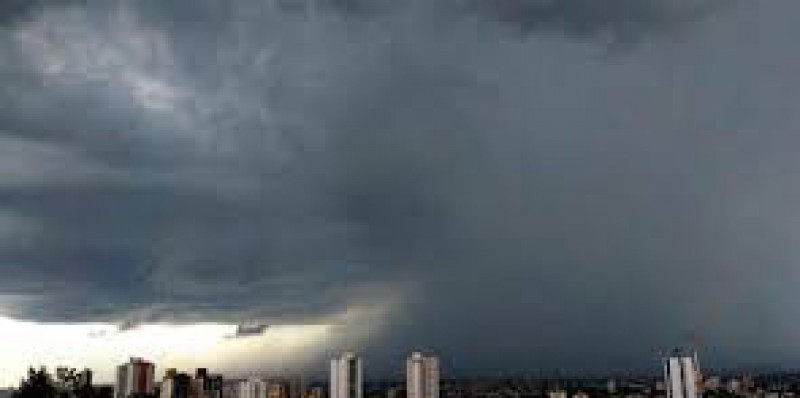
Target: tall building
[
  {"x": 681, "y": 375},
  {"x": 207, "y": 385},
  {"x": 181, "y": 385},
  {"x": 135, "y": 379},
  {"x": 346, "y": 377},
  {"x": 422, "y": 376},
  {"x": 176, "y": 385},
  {"x": 212, "y": 386}
]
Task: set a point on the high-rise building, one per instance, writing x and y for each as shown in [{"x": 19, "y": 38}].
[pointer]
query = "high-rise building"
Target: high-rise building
[
  {"x": 176, "y": 385},
  {"x": 212, "y": 386},
  {"x": 182, "y": 385},
  {"x": 207, "y": 385},
  {"x": 681, "y": 375},
  {"x": 346, "y": 377},
  {"x": 422, "y": 376},
  {"x": 135, "y": 379}
]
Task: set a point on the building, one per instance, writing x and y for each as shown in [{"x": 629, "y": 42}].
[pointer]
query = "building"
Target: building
[
  {"x": 277, "y": 390},
  {"x": 212, "y": 386},
  {"x": 296, "y": 386},
  {"x": 181, "y": 385},
  {"x": 422, "y": 376},
  {"x": 315, "y": 392},
  {"x": 176, "y": 385},
  {"x": 230, "y": 388},
  {"x": 713, "y": 383},
  {"x": 734, "y": 386},
  {"x": 346, "y": 377},
  {"x": 135, "y": 379},
  {"x": 681, "y": 376},
  {"x": 611, "y": 387},
  {"x": 207, "y": 385},
  {"x": 70, "y": 379},
  {"x": 394, "y": 392},
  {"x": 252, "y": 388}
]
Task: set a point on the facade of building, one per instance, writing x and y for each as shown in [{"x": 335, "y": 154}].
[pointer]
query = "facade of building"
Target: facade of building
[
  {"x": 135, "y": 379},
  {"x": 176, "y": 385},
  {"x": 207, "y": 385},
  {"x": 252, "y": 388},
  {"x": 230, "y": 388},
  {"x": 422, "y": 376},
  {"x": 315, "y": 392},
  {"x": 277, "y": 390},
  {"x": 212, "y": 386},
  {"x": 346, "y": 377},
  {"x": 181, "y": 385},
  {"x": 681, "y": 376},
  {"x": 580, "y": 394},
  {"x": 296, "y": 387},
  {"x": 72, "y": 379}
]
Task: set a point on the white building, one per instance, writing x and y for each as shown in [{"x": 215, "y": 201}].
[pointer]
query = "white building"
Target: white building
[
  {"x": 611, "y": 386},
  {"x": 422, "y": 376},
  {"x": 681, "y": 376},
  {"x": 252, "y": 388},
  {"x": 346, "y": 377},
  {"x": 135, "y": 378}
]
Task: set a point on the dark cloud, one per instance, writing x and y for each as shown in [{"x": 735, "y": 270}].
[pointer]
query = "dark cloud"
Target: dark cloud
[
  {"x": 249, "y": 330},
  {"x": 618, "y": 21},
  {"x": 12, "y": 10},
  {"x": 518, "y": 199}
]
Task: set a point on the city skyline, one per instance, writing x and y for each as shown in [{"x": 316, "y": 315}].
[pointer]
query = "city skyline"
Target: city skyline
[
  {"x": 515, "y": 185},
  {"x": 682, "y": 378}
]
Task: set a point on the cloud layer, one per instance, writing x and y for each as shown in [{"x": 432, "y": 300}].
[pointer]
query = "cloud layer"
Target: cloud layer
[{"x": 489, "y": 165}]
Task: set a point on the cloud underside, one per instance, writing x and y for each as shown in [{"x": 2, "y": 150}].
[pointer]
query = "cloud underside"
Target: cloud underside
[{"x": 490, "y": 163}]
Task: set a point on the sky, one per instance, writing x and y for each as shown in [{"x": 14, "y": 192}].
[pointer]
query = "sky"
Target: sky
[{"x": 514, "y": 185}]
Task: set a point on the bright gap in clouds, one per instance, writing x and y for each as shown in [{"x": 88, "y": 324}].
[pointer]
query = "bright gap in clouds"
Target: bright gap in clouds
[{"x": 101, "y": 347}]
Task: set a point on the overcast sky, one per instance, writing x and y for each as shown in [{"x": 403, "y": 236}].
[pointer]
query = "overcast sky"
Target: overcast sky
[{"x": 515, "y": 185}]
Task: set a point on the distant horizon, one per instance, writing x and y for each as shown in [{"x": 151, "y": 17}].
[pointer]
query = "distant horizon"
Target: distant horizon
[{"x": 449, "y": 374}]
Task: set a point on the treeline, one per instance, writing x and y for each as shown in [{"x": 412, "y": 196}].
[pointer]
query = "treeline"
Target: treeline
[{"x": 66, "y": 383}]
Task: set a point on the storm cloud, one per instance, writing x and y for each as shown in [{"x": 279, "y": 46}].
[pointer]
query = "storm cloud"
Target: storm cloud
[{"x": 513, "y": 192}]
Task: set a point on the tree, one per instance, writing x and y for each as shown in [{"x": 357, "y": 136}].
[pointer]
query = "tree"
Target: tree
[{"x": 39, "y": 384}]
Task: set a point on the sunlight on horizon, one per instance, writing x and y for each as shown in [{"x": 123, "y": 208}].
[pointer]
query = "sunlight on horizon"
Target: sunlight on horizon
[{"x": 101, "y": 346}]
